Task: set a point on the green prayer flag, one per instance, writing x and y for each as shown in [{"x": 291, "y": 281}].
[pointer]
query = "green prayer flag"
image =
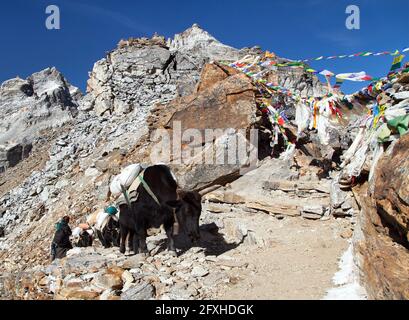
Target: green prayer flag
[
  {"x": 396, "y": 64},
  {"x": 400, "y": 124}
]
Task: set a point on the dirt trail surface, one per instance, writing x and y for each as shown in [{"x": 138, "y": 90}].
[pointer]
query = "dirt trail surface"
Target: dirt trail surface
[{"x": 298, "y": 261}]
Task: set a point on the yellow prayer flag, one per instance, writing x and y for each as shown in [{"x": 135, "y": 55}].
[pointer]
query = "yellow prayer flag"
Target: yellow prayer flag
[
  {"x": 398, "y": 59},
  {"x": 269, "y": 54}
]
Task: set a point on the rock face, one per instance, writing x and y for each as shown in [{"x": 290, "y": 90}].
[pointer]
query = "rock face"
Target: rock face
[
  {"x": 276, "y": 189},
  {"x": 391, "y": 191},
  {"x": 382, "y": 245},
  {"x": 143, "y": 70},
  {"x": 11, "y": 154},
  {"x": 131, "y": 77},
  {"x": 44, "y": 100},
  {"x": 222, "y": 105}
]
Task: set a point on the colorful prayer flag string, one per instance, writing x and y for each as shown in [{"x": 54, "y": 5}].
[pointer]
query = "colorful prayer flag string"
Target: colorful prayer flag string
[{"x": 359, "y": 54}]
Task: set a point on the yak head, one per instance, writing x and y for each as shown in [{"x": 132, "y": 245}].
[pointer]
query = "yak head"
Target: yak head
[{"x": 188, "y": 209}]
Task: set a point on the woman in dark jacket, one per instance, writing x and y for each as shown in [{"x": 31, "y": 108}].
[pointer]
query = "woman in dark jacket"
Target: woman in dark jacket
[{"x": 61, "y": 242}]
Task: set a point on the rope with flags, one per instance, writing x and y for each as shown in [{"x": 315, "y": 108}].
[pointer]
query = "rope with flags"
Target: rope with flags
[
  {"x": 359, "y": 54},
  {"x": 271, "y": 62},
  {"x": 244, "y": 67},
  {"x": 301, "y": 63}
]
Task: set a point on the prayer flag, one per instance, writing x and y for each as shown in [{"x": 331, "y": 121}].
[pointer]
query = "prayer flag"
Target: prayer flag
[
  {"x": 338, "y": 83},
  {"x": 357, "y": 76},
  {"x": 311, "y": 70},
  {"x": 396, "y": 64},
  {"x": 269, "y": 54},
  {"x": 326, "y": 73}
]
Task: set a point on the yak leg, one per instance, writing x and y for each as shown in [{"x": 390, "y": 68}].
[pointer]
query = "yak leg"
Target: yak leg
[
  {"x": 132, "y": 244},
  {"x": 169, "y": 232},
  {"x": 124, "y": 234},
  {"x": 116, "y": 238},
  {"x": 128, "y": 241},
  {"x": 108, "y": 237},
  {"x": 101, "y": 238},
  {"x": 141, "y": 238},
  {"x": 143, "y": 248}
]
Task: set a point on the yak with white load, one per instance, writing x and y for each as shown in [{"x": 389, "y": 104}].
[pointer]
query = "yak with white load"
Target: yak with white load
[
  {"x": 106, "y": 226},
  {"x": 150, "y": 198}
]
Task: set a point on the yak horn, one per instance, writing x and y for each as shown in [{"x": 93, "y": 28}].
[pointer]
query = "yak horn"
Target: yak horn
[
  {"x": 180, "y": 192},
  {"x": 209, "y": 189}
]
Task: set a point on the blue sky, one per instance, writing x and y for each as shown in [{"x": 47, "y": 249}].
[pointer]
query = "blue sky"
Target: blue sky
[{"x": 295, "y": 29}]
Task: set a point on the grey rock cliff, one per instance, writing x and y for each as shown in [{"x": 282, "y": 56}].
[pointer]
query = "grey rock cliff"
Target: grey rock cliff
[
  {"x": 143, "y": 71},
  {"x": 42, "y": 101}
]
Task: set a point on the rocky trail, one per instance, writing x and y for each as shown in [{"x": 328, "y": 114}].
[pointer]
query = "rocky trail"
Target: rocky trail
[
  {"x": 240, "y": 248},
  {"x": 321, "y": 212},
  {"x": 230, "y": 262},
  {"x": 299, "y": 258}
]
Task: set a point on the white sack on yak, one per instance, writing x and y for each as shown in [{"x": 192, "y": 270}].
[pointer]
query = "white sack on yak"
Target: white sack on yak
[{"x": 125, "y": 178}]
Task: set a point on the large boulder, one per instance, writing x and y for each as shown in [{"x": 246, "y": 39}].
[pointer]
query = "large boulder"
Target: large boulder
[
  {"x": 382, "y": 241},
  {"x": 222, "y": 109},
  {"x": 222, "y": 100},
  {"x": 391, "y": 191},
  {"x": 11, "y": 154},
  {"x": 276, "y": 189}
]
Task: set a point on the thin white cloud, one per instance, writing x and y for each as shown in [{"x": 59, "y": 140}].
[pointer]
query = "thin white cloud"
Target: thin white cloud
[
  {"x": 342, "y": 39},
  {"x": 299, "y": 4},
  {"x": 313, "y": 3},
  {"x": 114, "y": 16}
]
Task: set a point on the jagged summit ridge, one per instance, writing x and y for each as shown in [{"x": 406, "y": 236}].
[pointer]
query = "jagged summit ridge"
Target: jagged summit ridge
[
  {"x": 42, "y": 101},
  {"x": 192, "y": 37},
  {"x": 199, "y": 42}
]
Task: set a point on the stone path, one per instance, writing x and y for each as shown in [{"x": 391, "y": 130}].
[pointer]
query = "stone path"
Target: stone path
[{"x": 242, "y": 255}]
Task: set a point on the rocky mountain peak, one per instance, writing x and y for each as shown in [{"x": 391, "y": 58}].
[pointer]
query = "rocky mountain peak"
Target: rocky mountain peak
[
  {"x": 199, "y": 42},
  {"x": 190, "y": 38},
  {"x": 44, "y": 100}
]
